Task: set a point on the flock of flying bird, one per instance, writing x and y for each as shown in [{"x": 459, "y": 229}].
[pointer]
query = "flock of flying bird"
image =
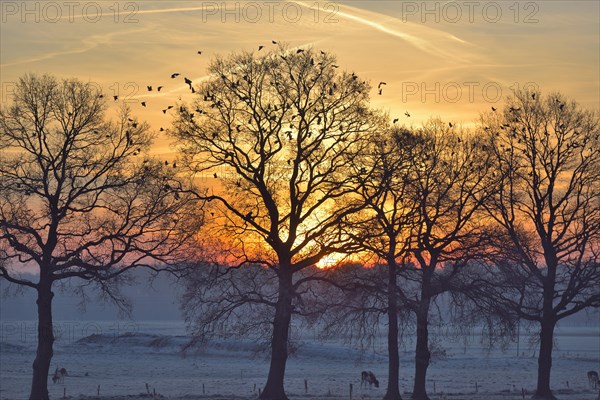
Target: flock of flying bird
[
  {"x": 189, "y": 82},
  {"x": 208, "y": 97}
]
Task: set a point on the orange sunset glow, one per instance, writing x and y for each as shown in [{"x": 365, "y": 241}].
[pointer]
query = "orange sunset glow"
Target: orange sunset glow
[{"x": 300, "y": 199}]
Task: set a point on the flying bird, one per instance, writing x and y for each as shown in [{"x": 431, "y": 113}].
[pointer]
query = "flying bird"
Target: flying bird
[
  {"x": 494, "y": 109},
  {"x": 143, "y": 104},
  {"x": 158, "y": 88},
  {"x": 380, "y": 84},
  {"x": 149, "y": 88},
  {"x": 380, "y": 91},
  {"x": 273, "y": 41},
  {"x": 395, "y": 120},
  {"x": 261, "y": 47},
  {"x": 299, "y": 51},
  {"x": 407, "y": 114},
  {"x": 116, "y": 98},
  {"x": 450, "y": 124},
  {"x": 199, "y": 52}
]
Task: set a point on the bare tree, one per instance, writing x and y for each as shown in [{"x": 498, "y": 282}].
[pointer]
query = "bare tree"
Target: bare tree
[
  {"x": 77, "y": 200},
  {"x": 382, "y": 230},
  {"x": 424, "y": 193},
  {"x": 280, "y": 135},
  {"x": 359, "y": 307},
  {"x": 447, "y": 187},
  {"x": 547, "y": 151}
]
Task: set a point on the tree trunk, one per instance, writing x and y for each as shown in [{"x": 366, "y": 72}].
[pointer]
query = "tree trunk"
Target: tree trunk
[
  {"x": 43, "y": 357},
  {"x": 543, "y": 391},
  {"x": 422, "y": 354},
  {"x": 393, "y": 389},
  {"x": 279, "y": 351}
]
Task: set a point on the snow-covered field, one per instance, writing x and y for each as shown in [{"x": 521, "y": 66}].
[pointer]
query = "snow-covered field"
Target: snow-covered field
[{"x": 120, "y": 358}]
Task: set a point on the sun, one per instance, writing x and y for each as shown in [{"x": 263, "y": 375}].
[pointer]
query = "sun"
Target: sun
[{"x": 330, "y": 260}]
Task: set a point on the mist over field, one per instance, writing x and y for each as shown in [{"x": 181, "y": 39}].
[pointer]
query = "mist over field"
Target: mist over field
[{"x": 153, "y": 299}]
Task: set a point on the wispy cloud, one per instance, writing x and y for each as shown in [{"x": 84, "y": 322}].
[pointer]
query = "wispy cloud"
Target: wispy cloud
[
  {"x": 134, "y": 13},
  {"x": 421, "y": 37},
  {"x": 86, "y": 44}
]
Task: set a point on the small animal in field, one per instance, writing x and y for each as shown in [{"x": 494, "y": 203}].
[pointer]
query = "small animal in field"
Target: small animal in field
[
  {"x": 593, "y": 378},
  {"x": 368, "y": 377},
  {"x": 59, "y": 375}
]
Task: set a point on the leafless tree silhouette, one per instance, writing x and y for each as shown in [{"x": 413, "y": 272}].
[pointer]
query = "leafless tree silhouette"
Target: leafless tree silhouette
[
  {"x": 547, "y": 153},
  {"x": 281, "y": 135},
  {"x": 423, "y": 221},
  {"x": 384, "y": 231},
  {"x": 445, "y": 189},
  {"x": 77, "y": 198}
]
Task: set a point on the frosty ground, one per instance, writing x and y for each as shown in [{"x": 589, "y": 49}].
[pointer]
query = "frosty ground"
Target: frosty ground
[{"x": 127, "y": 360}]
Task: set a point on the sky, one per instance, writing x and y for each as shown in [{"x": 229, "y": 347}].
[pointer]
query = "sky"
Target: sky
[{"x": 447, "y": 59}]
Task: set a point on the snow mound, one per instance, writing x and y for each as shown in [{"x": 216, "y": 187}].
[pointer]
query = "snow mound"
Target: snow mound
[
  {"x": 11, "y": 348},
  {"x": 134, "y": 342}
]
